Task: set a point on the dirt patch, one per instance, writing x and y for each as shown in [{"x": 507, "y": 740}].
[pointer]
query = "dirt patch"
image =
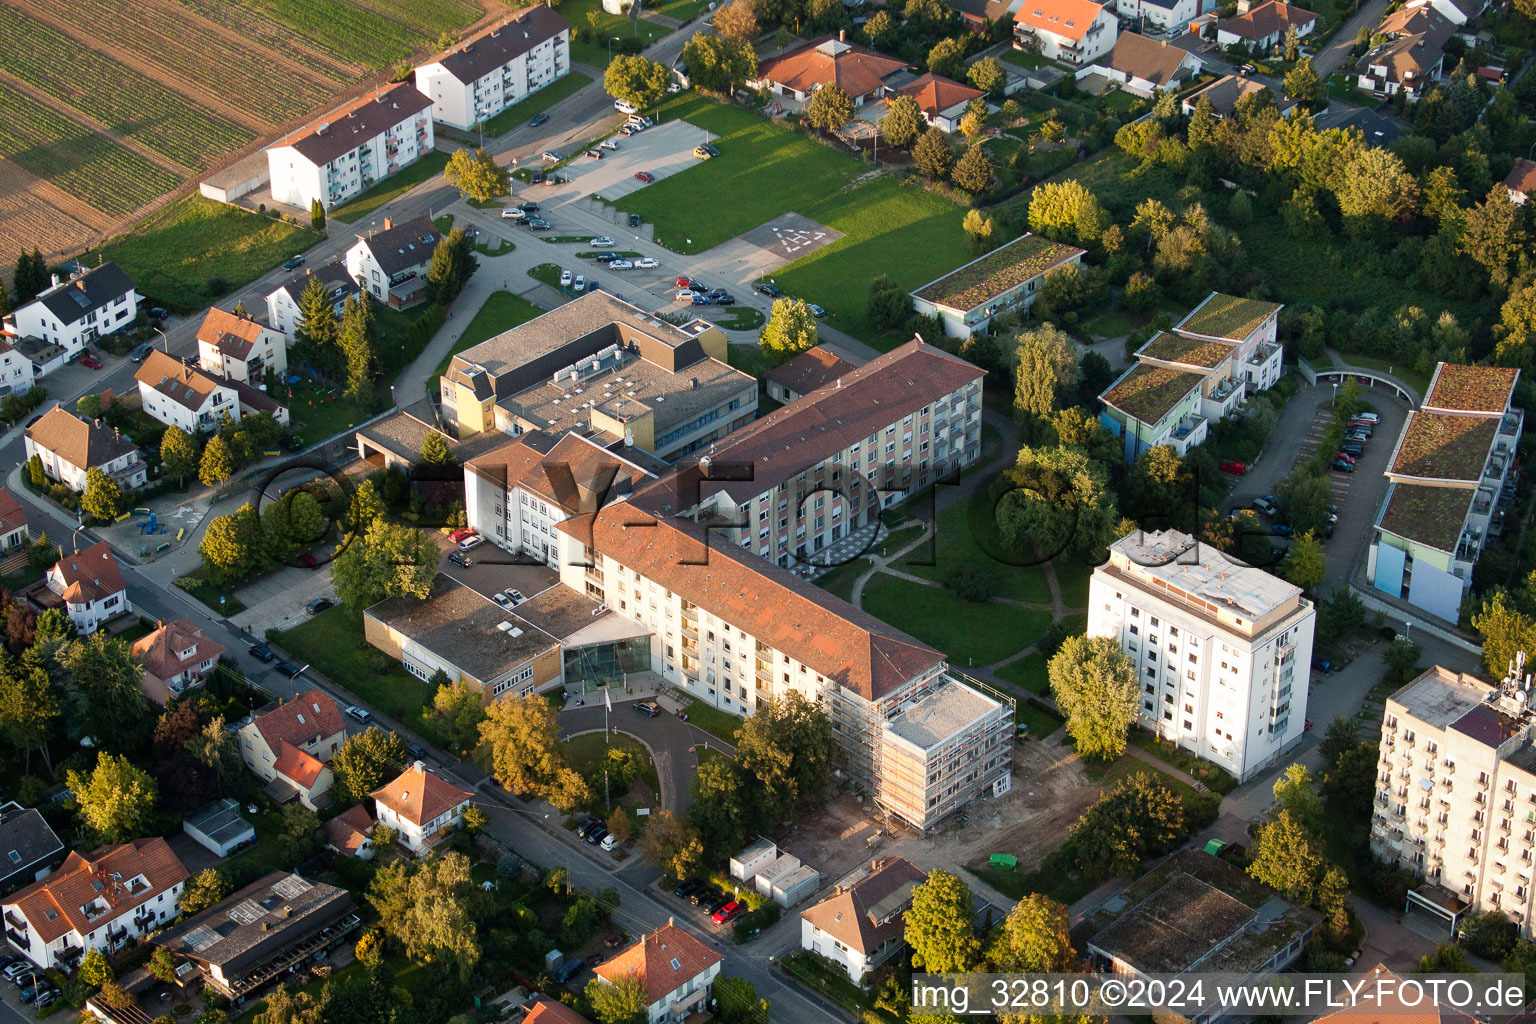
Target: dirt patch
[{"x": 32, "y": 210}]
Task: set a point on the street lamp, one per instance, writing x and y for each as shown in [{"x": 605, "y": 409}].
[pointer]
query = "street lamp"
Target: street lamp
[{"x": 166, "y": 342}]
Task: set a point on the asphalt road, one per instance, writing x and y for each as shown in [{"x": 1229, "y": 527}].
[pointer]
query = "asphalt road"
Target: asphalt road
[{"x": 669, "y": 739}]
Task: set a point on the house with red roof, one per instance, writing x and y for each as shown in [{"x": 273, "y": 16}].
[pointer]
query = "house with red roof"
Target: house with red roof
[
  {"x": 239, "y": 348},
  {"x": 1521, "y": 181},
  {"x": 90, "y": 586},
  {"x": 177, "y": 656},
  {"x": 290, "y": 746},
  {"x": 943, "y": 101},
  {"x": 1075, "y": 32},
  {"x": 858, "y": 70},
  {"x": 421, "y": 806},
  {"x": 350, "y": 833},
  {"x": 14, "y": 533},
  {"x": 102, "y": 900},
  {"x": 677, "y": 970}
]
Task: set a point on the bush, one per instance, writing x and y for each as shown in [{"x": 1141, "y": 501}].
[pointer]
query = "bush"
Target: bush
[
  {"x": 756, "y": 920},
  {"x": 971, "y": 582}
]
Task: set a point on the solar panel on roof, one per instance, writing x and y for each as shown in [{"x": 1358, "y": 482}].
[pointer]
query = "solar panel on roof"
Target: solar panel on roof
[
  {"x": 247, "y": 912},
  {"x": 291, "y": 886},
  {"x": 200, "y": 938},
  {"x": 81, "y": 299}
]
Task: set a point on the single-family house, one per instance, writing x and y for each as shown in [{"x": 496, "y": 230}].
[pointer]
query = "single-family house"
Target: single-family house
[
  {"x": 239, "y": 348},
  {"x": 1411, "y": 55},
  {"x": 1075, "y": 32},
  {"x": 420, "y": 806},
  {"x": 1521, "y": 181},
  {"x": 102, "y": 900},
  {"x": 485, "y": 74},
  {"x": 858, "y": 70},
  {"x": 391, "y": 265},
  {"x": 1007, "y": 278},
  {"x": 190, "y": 399},
  {"x": 29, "y": 848},
  {"x": 943, "y": 101},
  {"x": 1165, "y": 16},
  {"x": 290, "y": 745},
  {"x": 1263, "y": 29},
  {"x": 1143, "y": 66},
  {"x": 861, "y": 924},
  {"x": 72, "y": 313},
  {"x": 1226, "y": 92},
  {"x": 14, "y": 532},
  {"x": 543, "y": 1010},
  {"x": 350, "y": 833},
  {"x": 283, "y": 311},
  {"x": 91, "y": 587},
  {"x": 677, "y": 970},
  {"x": 351, "y": 148},
  {"x": 1458, "y": 12},
  {"x": 68, "y": 447},
  {"x": 1378, "y": 130},
  {"x": 177, "y": 657},
  {"x": 811, "y": 369}
]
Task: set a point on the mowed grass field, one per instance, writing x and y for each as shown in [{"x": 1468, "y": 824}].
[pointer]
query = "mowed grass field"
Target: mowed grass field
[{"x": 765, "y": 170}]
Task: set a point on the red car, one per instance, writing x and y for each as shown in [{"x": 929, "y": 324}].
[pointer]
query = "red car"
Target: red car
[
  {"x": 726, "y": 912},
  {"x": 1236, "y": 468},
  {"x": 464, "y": 533},
  {"x": 684, "y": 282},
  {"x": 645, "y": 176},
  {"x": 308, "y": 561},
  {"x": 1345, "y": 456},
  {"x": 90, "y": 362}
]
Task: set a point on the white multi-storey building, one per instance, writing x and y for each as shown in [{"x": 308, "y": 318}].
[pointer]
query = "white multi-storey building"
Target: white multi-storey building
[
  {"x": 488, "y": 72},
  {"x": 1221, "y": 649},
  {"x": 239, "y": 348},
  {"x": 351, "y": 148},
  {"x": 72, "y": 313},
  {"x": 69, "y": 447},
  {"x": 421, "y": 806},
  {"x": 1456, "y": 794},
  {"x": 283, "y": 311},
  {"x": 185, "y": 397},
  {"x": 391, "y": 264}
]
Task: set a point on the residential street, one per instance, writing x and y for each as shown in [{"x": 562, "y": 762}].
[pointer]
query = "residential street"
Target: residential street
[{"x": 1334, "y": 55}]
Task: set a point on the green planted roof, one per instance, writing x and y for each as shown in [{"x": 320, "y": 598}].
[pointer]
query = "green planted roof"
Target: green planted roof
[
  {"x": 1174, "y": 348},
  {"x": 1227, "y": 316},
  {"x": 1472, "y": 388},
  {"x": 1443, "y": 446},
  {"x": 1429, "y": 515},
  {"x": 1149, "y": 392},
  {"x": 983, "y": 280}
]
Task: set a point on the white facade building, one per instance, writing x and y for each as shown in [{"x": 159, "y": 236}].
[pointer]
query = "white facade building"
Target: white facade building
[
  {"x": 1162, "y": 15},
  {"x": 70, "y": 447},
  {"x": 862, "y": 924},
  {"x": 91, "y": 586},
  {"x": 676, "y": 969},
  {"x": 240, "y": 348},
  {"x": 283, "y": 311},
  {"x": 72, "y": 313},
  {"x": 419, "y": 806},
  {"x": 351, "y": 148},
  {"x": 187, "y": 398},
  {"x": 1222, "y": 650},
  {"x": 391, "y": 264},
  {"x": 487, "y": 73},
  {"x": 1075, "y": 32}
]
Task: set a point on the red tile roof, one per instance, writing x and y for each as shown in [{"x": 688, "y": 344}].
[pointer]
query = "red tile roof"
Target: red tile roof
[
  {"x": 159, "y": 651},
  {"x": 811, "y": 369},
  {"x": 89, "y": 575},
  {"x": 12, "y": 515},
  {"x": 857, "y": 70},
  {"x": 544, "y": 1010},
  {"x": 935, "y": 93},
  {"x": 1267, "y": 19},
  {"x": 309, "y": 716},
  {"x": 346, "y": 832},
  {"x": 575, "y": 474},
  {"x": 54, "y": 906},
  {"x": 846, "y": 645},
  {"x": 666, "y": 960},
  {"x": 296, "y": 766},
  {"x": 231, "y": 334},
  {"x": 419, "y": 796},
  {"x": 1069, "y": 19},
  {"x": 1522, "y": 178}
]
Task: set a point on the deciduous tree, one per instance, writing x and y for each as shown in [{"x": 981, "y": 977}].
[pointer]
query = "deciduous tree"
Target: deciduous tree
[
  {"x": 940, "y": 925},
  {"x": 1289, "y": 858},
  {"x": 431, "y": 909},
  {"x": 636, "y": 80},
  {"x": 1140, "y": 818},
  {"x": 1036, "y": 938},
  {"x": 526, "y": 754},
  {"x": 477, "y": 176},
  {"x": 947, "y": 58},
  {"x": 1506, "y": 631},
  {"x": 829, "y": 108},
  {"x": 29, "y": 708},
  {"x": 389, "y": 560},
  {"x": 736, "y": 20},
  {"x": 790, "y": 330},
  {"x": 218, "y": 462},
  {"x": 178, "y": 454},
  {"x": 109, "y": 705},
  {"x": 115, "y": 801},
  {"x": 1094, "y": 683},
  {"x": 457, "y": 711},
  {"x": 988, "y": 75},
  {"x": 232, "y": 545},
  {"x": 671, "y": 844},
  {"x": 1302, "y": 82},
  {"x": 364, "y": 762},
  {"x": 1308, "y": 564},
  {"x": 623, "y": 1002},
  {"x": 1055, "y": 500},
  {"x": 718, "y": 63},
  {"x": 1066, "y": 212},
  {"x": 786, "y": 748},
  {"x": 1046, "y": 370},
  {"x": 721, "y": 811},
  {"x": 206, "y": 888}
]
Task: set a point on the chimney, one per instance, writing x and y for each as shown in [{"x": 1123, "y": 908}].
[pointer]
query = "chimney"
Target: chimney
[
  {"x": 671, "y": 921},
  {"x": 842, "y": 33},
  {"x": 874, "y": 863},
  {"x": 266, "y": 926},
  {"x": 1243, "y": 6},
  {"x": 388, "y": 223},
  {"x": 80, "y": 283}
]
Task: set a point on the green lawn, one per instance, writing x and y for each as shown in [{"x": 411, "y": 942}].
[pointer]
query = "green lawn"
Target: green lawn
[
  {"x": 502, "y": 311},
  {"x": 1042, "y": 722},
  {"x": 1028, "y": 672},
  {"x": 332, "y": 643},
  {"x": 765, "y": 169},
  {"x": 1027, "y": 61},
  {"x": 587, "y": 752},
  {"x": 176, "y": 255},
  {"x": 319, "y": 412},
  {"x": 1121, "y": 103},
  {"x": 524, "y": 109},
  {"x": 391, "y": 187},
  {"x": 712, "y": 720},
  {"x": 220, "y": 599},
  {"x": 1072, "y": 575},
  {"x": 971, "y": 634},
  {"x": 1113, "y": 323},
  {"x": 840, "y": 581},
  {"x": 594, "y": 51},
  {"x": 751, "y": 359},
  {"x": 741, "y": 318},
  {"x": 967, "y": 535}
]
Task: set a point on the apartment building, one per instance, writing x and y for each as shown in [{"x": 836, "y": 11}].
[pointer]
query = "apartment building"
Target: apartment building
[
  {"x": 734, "y": 629},
  {"x": 102, "y": 900},
  {"x": 1452, "y": 475},
  {"x": 488, "y": 72},
  {"x": 352, "y": 148},
  {"x": 69, "y": 447},
  {"x": 1004, "y": 280},
  {"x": 1196, "y": 374},
  {"x": 239, "y": 348},
  {"x": 289, "y": 747},
  {"x": 71, "y": 313},
  {"x": 283, "y": 311},
  {"x": 192, "y": 400},
  {"x": 391, "y": 264},
  {"x": 820, "y": 468},
  {"x": 1456, "y": 794},
  {"x": 814, "y": 368},
  {"x": 1221, "y": 649},
  {"x": 602, "y": 367},
  {"x": 1075, "y": 32}
]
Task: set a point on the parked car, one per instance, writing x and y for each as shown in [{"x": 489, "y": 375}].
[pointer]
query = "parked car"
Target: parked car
[
  {"x": 625, "y": 107},
  {"x": 724, "y": 300},
  {"x": 699, "y": 286},
  {"x": 705, "y": 152},
  {"x": 634, "y": 220},
  {"x": 262, "y": 653},
  {"x": 627, "y": 130},
  {"x": 773, "y": 291},
  {"x": 649, "y": 708},
  {"x": 568, "y": 969},
  {"x": 686, "y": 887},
  {"x": 684, "y": 282},
  {"x": 609, "y": 843},
  {"x": 138, "y": 354},
  {"x": 460, "y": 559},
  {"x": 1352, "y": 448},
  {"x": 361, "y": 714},
  {"x": 550, "y": 154},
  {"x": 1235, "y": 468},
  {"x": 726, "y": 912},
  {"x": 620, "y": 265},
  {"x": 705, "y": 895},
  {"x": 159, "y": 313},
  {"x": 529, "y": 207},
  {"x": 46, "y": 998},
  {"x": 286, "y": 668},
  {"x": 537, "y": 120},
  {"x": 1340, "y": 466},
  {"x": 817, "y": 311},
  {"x": 1281, "y": 530},
  {"x": 293, "y": 263},
  {"x": 462, "y": 533},
  {"x": 90, "y": 362},
  {"x": 597, "y": 835},
  {"x": 319, "y": 605},
  {"x": 513, "y": 213},
  {"x": 645, "y": 176},
  {"x": 1266, "y": 505},
  {"x": 17, "y": 969},
  {"x": 308, "y": 561},
  {"x": 647, "y": 263},
  {"x": 713, "y": 907},
  {"x": 503, "y": 600},
  {"x": 1369, "y": 417},
  {"x": 601, "y": 242},
  {"x": 684, "y": 296},
  {"x": 606, "y": 257},
  {"x": 594, "y": 154},
  {"x": 538, "y": 224},
  {"x": 515, "y": 595},
  {"x": 565, "y": 279},
  {"x": 640, "y": 121},
  {"x": 580, "y": 284},
  {"x": 608, "y": 144},
  {"x": 1322, "y": 665},
  {"x": 700, "y": 299}
]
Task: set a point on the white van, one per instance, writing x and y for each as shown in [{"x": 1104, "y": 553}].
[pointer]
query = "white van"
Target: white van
[
  {"x": 625, "y": 107},
  {"x": 608, "y": 842}
]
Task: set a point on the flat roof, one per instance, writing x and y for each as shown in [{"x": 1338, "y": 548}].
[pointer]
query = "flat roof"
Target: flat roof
[
  {"x": 1439, "y": 697},
  {"x": 1148, "y": 393},
  {"x": 1444, "y": 446},
  {"x": 277, "y": 910},
  {"x": 463, "y": 628},
  {"x": 1427, "y": 515},
  {"x": 985, "y": 278},
  {"x": 946, "y": 711},
  {"x": 1461, "y": 388},
  {"x": 1181, "y": 563},
  {"x": 1227, "y": 316},
  {"x": 220, "y": 821},
  {"x": 1175, "y": 348},
  {"x": 1176, "y": 927}
]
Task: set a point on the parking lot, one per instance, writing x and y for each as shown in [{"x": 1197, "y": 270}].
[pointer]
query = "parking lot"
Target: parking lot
[
  {"x": 492, "y": 570},
  {"x": 661, "y": 151}
]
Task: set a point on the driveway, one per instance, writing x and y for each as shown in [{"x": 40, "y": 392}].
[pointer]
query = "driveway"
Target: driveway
[
  {"x": 1337, "y": 51},
  {"x": 669, "y": 739}
]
